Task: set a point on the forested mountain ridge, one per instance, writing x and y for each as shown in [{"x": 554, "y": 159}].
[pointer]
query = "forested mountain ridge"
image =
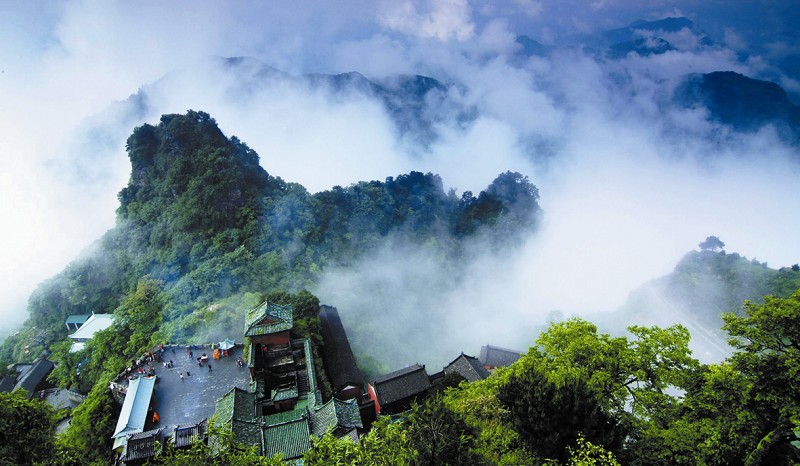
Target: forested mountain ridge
[
  {"x": 201, "y": 222},
  {"x": 703, "y": 287},
  {"x": 744, "y": 103},
  {"x": 416, "y": 104},
  {"x": 706, "y": 284},
  {"x": 716, "y": 282},
  {"x": 204, "y": 219}
]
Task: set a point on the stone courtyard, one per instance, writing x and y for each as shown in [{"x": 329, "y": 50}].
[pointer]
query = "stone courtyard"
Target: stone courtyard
[{"x": 194, "y": 397}]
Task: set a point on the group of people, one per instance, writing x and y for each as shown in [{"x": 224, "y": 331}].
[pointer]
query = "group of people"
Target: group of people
[{"x": 143, "y": 365}]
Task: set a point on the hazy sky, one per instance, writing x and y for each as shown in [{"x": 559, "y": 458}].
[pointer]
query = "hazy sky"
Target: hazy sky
[{"x": 628, "y": 185}]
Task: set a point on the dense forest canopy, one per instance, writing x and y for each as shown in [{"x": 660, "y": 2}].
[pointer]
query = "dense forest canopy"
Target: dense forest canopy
[
  {"x": 203, "y": 219},
  {"x": 642, "y": 136},
  {"x": 706, "y": 284},
  {"x": 582, "y": 397},
  {"x": 204, "y": 233}
]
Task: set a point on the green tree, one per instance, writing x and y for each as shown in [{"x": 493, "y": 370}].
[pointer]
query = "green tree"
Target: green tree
[
  {"x": 136, "y": 328},
  {"x": 139, "y": 317},
  {"x": 478, "y": 404},
  {"x": 550, "y": 416},
  {"x": 440, "y": 436},
  {"x": 581, "y": 381},
  {"x": 220, "y": 448},
  {"x": 743, "y": 411},
  {"x": 93, "y": 423},
  {"x": 28, "y": 428},
  {"x": 586, "y": 453},
  {"x": 386, "y": 444},
  {"x": 712, "y": 243},
  {"x": 619, "y": 370},
  {"x": 768, "y": 344},
  {"x": 65, "y": 374}
]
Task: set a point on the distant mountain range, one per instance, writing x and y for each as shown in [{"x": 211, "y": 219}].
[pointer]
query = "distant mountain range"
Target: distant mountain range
[
  {"x": 647, "y": 37},
  {"x": 743, "y": 103},
  {"x": 738, "y": 101},
  {"x": 415, "y": 103}
]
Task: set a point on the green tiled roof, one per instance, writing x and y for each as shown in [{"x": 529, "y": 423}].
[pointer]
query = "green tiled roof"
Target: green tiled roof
[
  {"x": 246, "y": 433},
  {"x": 334, "y": 414},
  {"x": 77, "y": 319},
  {"x": 236, "y": 410},
  {"x": 285, "y": 393},
  {"x": 268, "y": 318},
  {"x": 347, "y": 413},
  {"x": 323, "y": 419},
  {"x": 290, "y": 438},
  {"x": 285, "y": 416},
  {"x": 401, "y": 384},
  {"x": 468, "y": 367},
  {"x": 312, "y": 379},
  {"x": 236, "y": 404}
]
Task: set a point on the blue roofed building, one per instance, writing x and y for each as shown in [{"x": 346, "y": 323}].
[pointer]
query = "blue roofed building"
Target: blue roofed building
[
  {"x": 85, "y": 332},
  {"x": 135, "y": 410}
]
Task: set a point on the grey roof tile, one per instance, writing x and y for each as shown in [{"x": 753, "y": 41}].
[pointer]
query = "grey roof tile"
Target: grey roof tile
[{"x": 401, "y": 384}]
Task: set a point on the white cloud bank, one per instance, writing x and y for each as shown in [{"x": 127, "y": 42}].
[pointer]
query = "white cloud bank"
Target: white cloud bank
[{"x": 627, "y": 186}]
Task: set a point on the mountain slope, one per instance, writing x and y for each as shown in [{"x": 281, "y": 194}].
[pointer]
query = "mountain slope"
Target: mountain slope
[
  {"x": 204, "y": 219},
  {"x": 744, "y": 103},
  {"x": 704, "y": 285}
]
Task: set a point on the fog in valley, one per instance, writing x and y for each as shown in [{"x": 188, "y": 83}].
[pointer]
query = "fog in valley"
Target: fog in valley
[{"x": 629, "y": 180}]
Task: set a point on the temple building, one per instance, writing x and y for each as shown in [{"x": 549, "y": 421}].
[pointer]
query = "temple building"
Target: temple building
[
  {"x": 270, "y": 396},
  {"x": 493, "y": 356},
  {"x": 340, "y": 363},
  {"x": 29, "y": 377},
  {"x": 468, "y": 367},
  {"x": 284, "y": 406},
  {"x": 93, "y": 324},
  {"x": 394, "y": 392}
]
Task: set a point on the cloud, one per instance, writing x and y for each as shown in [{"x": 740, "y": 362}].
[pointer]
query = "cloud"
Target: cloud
[
  {"x": 441, "y": 19},
  {"x": 530, "y": 7},
  {"x": 628, "y": 183}
]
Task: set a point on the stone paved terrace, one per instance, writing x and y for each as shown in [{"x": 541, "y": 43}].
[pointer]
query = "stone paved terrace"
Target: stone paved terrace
[{"x": 195, "y": 397}]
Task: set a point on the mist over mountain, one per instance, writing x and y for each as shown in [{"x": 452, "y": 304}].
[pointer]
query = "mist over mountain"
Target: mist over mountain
[
  {"x": 204, "y": 219},
  {"x": 415, "y": 104},
  {"x": 629, "y": 178},
  {"x": 652, "y": 37},
  {"x": 447, "y": 174},
  {"x": 744, "y": 103},
  {"x": 703, "y": 286}
]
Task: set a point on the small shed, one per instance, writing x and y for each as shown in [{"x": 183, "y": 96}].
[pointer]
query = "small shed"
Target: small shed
[
  {"x": 74, "y": 322},
  {"x": 184, "y": 433},
  {"x": 142, "y": 446}
]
